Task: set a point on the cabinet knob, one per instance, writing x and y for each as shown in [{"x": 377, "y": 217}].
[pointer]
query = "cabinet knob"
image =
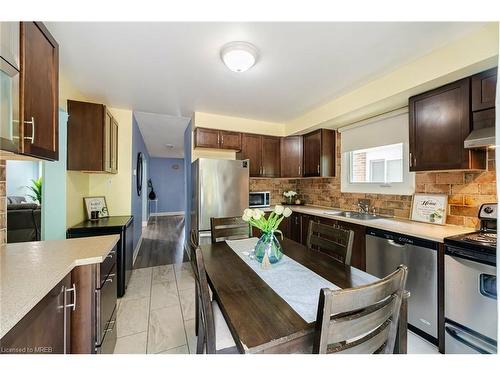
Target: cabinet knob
[{"x": 32, "y": 122}]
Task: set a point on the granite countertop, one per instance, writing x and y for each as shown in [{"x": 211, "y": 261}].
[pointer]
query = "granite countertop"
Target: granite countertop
[
  {"x": 29, "y": 270},
  {"x": 432, "y": 232}
]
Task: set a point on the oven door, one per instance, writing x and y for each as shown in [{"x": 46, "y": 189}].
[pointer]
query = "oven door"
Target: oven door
[
  {"x": 9, "y": 86},
  {"x": 471, "y": 295}
]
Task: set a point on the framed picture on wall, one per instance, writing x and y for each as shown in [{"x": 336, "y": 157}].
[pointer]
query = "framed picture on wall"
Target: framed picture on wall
[
  {"x": 429, "y": 208},
  {"x": 96, "y": 207}
]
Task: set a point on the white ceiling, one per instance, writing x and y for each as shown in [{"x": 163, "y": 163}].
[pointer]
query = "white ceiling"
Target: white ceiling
[
  {"x": 175, "y": 68},
  {"x": 159, "y": 130}
]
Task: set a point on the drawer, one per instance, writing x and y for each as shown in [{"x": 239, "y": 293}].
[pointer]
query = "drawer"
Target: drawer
[
  {"x": 105, "y": 303},
  {"x": 108, "y": 343},
  {"x": 107, "y": 265}
]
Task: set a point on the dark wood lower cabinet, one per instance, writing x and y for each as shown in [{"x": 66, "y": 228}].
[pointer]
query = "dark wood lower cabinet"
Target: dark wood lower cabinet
[
  {"x": 46, "y": 328},
  {"x": 92, "y": 324}
]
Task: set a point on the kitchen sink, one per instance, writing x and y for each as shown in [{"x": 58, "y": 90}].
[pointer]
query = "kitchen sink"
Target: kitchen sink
[
  {"x": 357, "y": 215},
  {"x": 333, "y": 212}
]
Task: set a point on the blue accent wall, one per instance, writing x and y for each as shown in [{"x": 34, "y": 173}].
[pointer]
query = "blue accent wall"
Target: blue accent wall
[
  {"x": 188, "y": 134},
  {"x": 167, "y": 175},
  {"x": 138, "y": 145}
]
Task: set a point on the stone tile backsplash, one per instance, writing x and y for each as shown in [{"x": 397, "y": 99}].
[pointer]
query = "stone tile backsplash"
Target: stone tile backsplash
[{"x": 466, "y": 190}]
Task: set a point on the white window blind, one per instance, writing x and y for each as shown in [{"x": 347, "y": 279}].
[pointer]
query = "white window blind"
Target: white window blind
[{"x": 385, "y": 173}]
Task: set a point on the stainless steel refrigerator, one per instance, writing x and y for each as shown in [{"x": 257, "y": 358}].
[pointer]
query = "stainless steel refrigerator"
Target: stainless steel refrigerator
[{"x": 220, "y": 189}]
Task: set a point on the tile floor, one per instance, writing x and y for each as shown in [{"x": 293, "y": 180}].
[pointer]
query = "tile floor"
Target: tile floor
[{"x": 156, "y": 315}]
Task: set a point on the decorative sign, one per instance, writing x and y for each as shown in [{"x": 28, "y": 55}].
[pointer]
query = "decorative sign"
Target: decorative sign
[
  {"x": 96, "y": 207},
  {"x": 429, "y": 208}
]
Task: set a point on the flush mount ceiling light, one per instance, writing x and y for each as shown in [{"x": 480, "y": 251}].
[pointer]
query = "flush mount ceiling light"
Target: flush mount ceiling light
[
  {"x": 239, "y": 56},
  {"x": 169, "y": 145}
]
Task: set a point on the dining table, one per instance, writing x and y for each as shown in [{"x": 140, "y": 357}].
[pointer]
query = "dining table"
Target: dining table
[{"x": 259, "y": 318}]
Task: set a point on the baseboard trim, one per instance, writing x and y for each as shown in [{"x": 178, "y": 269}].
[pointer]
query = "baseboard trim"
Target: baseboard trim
[
  {"x": 136, "y": 250},
  {"x": 171, "y": 213}
]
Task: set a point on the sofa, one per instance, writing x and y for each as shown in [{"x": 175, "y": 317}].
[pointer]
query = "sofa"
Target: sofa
[{"x": 23, "y": 220}]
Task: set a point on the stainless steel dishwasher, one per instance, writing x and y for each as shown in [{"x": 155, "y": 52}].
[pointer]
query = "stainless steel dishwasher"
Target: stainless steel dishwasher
[{"x": 385, "y": 251}]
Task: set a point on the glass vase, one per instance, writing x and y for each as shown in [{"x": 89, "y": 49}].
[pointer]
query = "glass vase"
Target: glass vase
[{"x": 268, "y": 249}]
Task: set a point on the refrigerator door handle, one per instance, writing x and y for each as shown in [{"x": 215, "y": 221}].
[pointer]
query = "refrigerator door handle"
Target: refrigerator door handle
[{"x": 471, "y": 341}]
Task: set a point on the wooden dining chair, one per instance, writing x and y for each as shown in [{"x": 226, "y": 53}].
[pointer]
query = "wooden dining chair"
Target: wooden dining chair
[
  {"x": 330, "y": 240},
  {"x": 361, "y": 320},
  {"x": 229, "y": 228},
  {"x": 214, "y": 336}
]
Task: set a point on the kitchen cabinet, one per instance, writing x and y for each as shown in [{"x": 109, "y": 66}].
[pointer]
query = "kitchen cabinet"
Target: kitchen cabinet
[
  {"x": 263, "y": 153},
  {"x": 218, "y": 139},
  {"x": 39, "y": 92},
  {"x": 93, "y": 324},
  {"x": 46, "y": 328},
  {"x": 92, "y": 138},
  {"x": 483, "y": 90},
  {"x": 319, "y": 153},
  {"x": 291, "y": 156},
  {"x": 440, "y": 120},
  {"x": 295, "y": 228}
]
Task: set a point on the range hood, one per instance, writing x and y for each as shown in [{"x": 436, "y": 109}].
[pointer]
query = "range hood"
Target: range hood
[{"x": 480, "y": 138}]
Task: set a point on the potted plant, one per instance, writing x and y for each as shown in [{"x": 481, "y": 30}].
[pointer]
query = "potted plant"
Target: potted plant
[
  {"x": 289, "y": 195},
  {"x": 268, "y": 249},
  {"x": 36, "y": 188}
]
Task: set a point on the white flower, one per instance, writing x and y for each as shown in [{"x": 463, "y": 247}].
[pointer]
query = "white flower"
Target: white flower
[
  {"x": 248, "y": 212},
  {"x": 279, "y": 209},
  {"x": 246, "y": 217},
  {"x": 257, "y": 214},
  {"x": 287, "y": 212}
]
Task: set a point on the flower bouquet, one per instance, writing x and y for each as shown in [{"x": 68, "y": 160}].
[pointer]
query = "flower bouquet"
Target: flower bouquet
[{"x": 268, "y": 249}]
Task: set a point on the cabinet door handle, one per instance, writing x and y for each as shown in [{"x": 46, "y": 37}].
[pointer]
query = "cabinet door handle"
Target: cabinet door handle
[
  {"x": 318, "y": 169},
  {"x": 109, "y": 278},
  {"x": 73, "y": 305},
  {"x": 300, "y": 169},
  {"x": 32, "y": 122},
  {"x": 411, "y": 160},
  {"x": 222, "y": 138},
  {"x": 218, "y": 139},
  {"x": 263, "y": 170}
]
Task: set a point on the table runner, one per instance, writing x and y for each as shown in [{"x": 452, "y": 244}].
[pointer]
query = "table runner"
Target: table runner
[{"x": 296, "y": 284}]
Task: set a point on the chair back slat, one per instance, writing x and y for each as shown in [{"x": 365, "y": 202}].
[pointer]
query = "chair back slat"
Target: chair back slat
[
  {"x": 334, "y": 241},
  {"x": 342, "y": 328},
  {"x": 228, "y": 228},
  {"x": 374, "y": 342},
  {"x": 362, "y": 319}
]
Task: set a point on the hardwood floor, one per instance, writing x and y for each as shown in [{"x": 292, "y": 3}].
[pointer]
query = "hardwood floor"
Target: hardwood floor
[{"x": 162, "y": 242}]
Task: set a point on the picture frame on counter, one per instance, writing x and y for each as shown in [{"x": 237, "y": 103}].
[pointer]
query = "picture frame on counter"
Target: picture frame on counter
[
  {"x": 429, "y": 208},
  {"x": 96, "y": 207}
]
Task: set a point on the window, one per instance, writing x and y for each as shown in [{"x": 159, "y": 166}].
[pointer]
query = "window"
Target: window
[
  {"x": 375, "y": 156},
  {"x": 383, "y": 164}
]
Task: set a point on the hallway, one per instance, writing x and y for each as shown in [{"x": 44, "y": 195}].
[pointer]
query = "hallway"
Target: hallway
[{"x": 162, "y": 242}]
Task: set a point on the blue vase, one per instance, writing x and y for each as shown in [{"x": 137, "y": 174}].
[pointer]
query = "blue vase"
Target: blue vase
[{"x": 268, "y": 245}]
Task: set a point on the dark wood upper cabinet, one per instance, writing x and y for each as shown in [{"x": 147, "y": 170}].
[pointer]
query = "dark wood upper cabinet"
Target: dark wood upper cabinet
[
  {"x": 230, "y": 140},
  {"x": 270, "y": 156},
  {"x": 483, "y": 90},
  {"x": 207, "y": 138},
  {"x": 440, "y": 120},
  {"x": 319, "y": 153},
  {"x": 92, "y": 138},
  {"x": 264, "y": 154},
  {"x": 46, "y": 328},
  {"x": 39, "y": 92},
  {"x": 291, "y": 156},
  {"x": 219, "y": 139},
  {"x": 251, "y": 149}
]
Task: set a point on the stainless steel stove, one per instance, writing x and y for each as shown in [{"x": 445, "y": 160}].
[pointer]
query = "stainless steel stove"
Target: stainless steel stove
[{"x": 471, "y": 288}]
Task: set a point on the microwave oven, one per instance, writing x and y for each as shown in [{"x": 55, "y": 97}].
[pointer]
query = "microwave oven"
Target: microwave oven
[{"x": 259, "y": 199}]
